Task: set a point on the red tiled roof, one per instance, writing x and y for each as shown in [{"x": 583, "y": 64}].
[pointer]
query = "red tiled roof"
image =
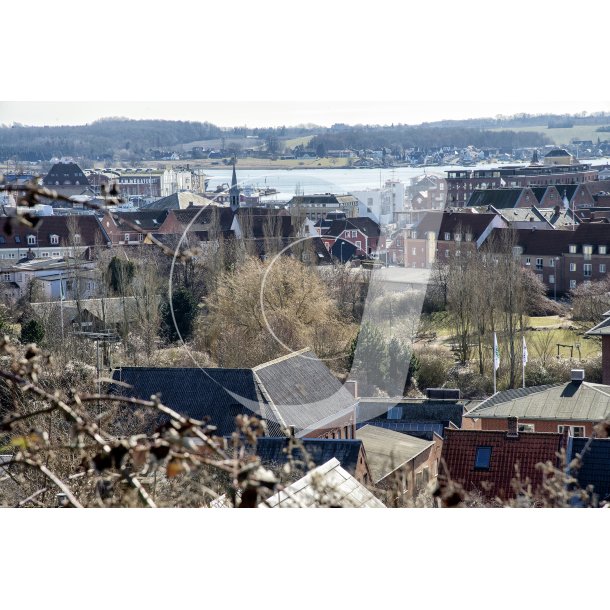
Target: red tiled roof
[{"x": 527, "y": 450}]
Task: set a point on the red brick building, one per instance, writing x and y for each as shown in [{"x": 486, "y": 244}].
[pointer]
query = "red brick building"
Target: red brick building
[
  {"x": 578, "y": 405},
  {"x": 445, "y": 234},
  {"x": 486, "y": 460},
  {"x": 363, "y": 233}
]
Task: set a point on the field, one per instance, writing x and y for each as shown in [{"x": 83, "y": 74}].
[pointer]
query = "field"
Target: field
[
  {"x": 561, "y": 136},
  {"x": 543, "y": 334}
]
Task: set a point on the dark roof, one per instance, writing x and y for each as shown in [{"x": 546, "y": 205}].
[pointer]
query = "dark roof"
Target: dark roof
[
  {"x": 295, "y": 390},
  {"x": 178, "y": 201},
  {"x": 440, "y": 223},
  {"x": 147, "y": 220},
  {"x": 274, "y": 451},
  {"x": 322, "y": 198},
  {"x": 365, "y": 225},
  {"x": 65, "y": 174},
  {"x": 89, "y": 229},
  {"x": 410, "y": 410},
  {"x": 266, "y": 222},
  {"x": 498, "y": 198},
  {"x": 595, "y": 468},
  {"x": 558, "y": 152},
  {"x": 204, "y": 217},
  {"x": 527, "y": 450},
  {"x": 220, "y": 394},
  {"x": 303, "y": 390},
  {"x": 541, "y": 242}
]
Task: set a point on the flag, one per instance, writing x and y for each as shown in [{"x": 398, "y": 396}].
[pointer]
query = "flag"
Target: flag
[
  {"x": 524, "y": 352},
  {"x": 496, "y": 354}
]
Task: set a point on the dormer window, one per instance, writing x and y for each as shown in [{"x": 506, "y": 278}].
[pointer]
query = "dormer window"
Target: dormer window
[
  {"x": 447, "y": 236},
  {"x": 76, "y": 239},
  {"x": 572, "y": 248},
  {"x": 31, "y": 240},
  {"x": 602, "y": 249},
  {"x": 17, "y": 239},
  {"x": 54, "y": 239}
]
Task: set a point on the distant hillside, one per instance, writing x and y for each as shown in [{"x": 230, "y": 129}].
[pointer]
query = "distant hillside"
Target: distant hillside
[
  {"x": 101, "y": 139},
  {"x": 405, "y": 137}
]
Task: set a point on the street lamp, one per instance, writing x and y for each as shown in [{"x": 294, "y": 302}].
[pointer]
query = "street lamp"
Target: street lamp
[{"x": 555, "y": 276}]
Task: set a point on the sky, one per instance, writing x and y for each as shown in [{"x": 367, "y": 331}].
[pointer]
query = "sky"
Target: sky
[{"x": 277, "y": 113}]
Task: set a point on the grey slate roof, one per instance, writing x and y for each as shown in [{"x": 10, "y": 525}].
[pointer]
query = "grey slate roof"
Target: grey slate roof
[
  {"x": 295, "y": 390},
  {"x": 274, "y": 451},
  {"x": 603, "y": 328},
  {"x": 302, "y": 390},
  {"x": 326, "y": 485},
  {"x": 387, "y": 450},
  {"x": 220, "y": 394},
  {"x": 595, "y": 469},
  {"x": 178, "y": 201},
  {"x": 571, "y": 401}
]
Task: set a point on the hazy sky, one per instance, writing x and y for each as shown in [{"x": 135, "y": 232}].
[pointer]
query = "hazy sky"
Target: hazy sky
[{"x": 261, "y": 113}]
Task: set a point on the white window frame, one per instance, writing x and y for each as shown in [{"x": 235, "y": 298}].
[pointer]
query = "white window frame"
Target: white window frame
[
  {"x": 31, "y": 239},
  {"x": 572, "y": 266},
  {"x": 526, "y": 427},
  {"x": 602, "y": 267},
  {"x": 561, "y": 430}
]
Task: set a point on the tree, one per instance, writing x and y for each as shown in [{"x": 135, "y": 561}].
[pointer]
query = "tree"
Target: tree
[
  {"x": 244, "y": 320},
  {"x": 184, "y": 310},
  {"x": 32, "y": 332},
  {"x": 120, "y": 274}
]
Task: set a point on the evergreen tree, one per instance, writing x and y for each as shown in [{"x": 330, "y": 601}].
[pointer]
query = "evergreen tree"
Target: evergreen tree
[
  {"x": 185, "y": 309},
  {"x": 32, "y": 332}
]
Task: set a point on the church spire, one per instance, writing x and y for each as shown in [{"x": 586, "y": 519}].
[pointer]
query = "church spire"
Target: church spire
[{"x": 234, "y": 191}]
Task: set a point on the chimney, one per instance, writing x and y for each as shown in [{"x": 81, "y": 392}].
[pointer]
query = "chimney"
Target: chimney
[
  {"x": 291, "y": 431},
  {"x": 513, "y": 427},
  {"x": 351, "y": 385},
  {"x": 577, "y": 375}
]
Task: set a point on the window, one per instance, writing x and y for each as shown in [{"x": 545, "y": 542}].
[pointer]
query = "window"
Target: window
[
  {"x": 575, "y": 431},
  {"x": 457, "y": 237},
  {"x": 76, "y": 239},
  {"x": 45, "y": 255},
  {"x": 394, "y": 413},
  {"x": 572, "y": 283},
  {"x": 526, "y": 428},
  {"x": 54, "y": 240},
  {"x": 359, "y": 245},
  {"x": 602, "y": 249},
  {"x": 31, "y": 240},
  {"x": 551, "y": 262},
  {"x": 354, "y": 233},
  {"x": 447, "y": 236},
  {"x": 17, "y": 239},
  {"x": 528, "y": 261},
  {"x": 572, "y": 249},
  {"x": 446, "y": 253},
  {"x": 572, "y": 266},
  {"x": 539, "y": 263},
  {"x": 468, "y": 236},
  {"x": 602, "y": 268},
  {"x": 587, "y": 252},
  {"x": 126, "y": 236},
  {"x": 6, "y": 277},
  {"x": 551, "y": 279},
  {"x": 482, "y": 458},
  {"x": 586, "y": 269}
]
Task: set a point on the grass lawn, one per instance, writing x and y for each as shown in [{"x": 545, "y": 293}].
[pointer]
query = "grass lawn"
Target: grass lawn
[
  {"x": 303, "y": 140},
  {"x": 561, "y": 136}
]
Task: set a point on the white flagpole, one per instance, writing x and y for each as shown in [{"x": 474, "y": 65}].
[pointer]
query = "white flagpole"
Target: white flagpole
[
  {"x": 496, "y": 361},
  {"x": 523, "y": 358}
]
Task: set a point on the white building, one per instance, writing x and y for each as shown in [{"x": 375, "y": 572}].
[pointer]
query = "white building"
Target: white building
[{"x": 382, "y": 204}]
